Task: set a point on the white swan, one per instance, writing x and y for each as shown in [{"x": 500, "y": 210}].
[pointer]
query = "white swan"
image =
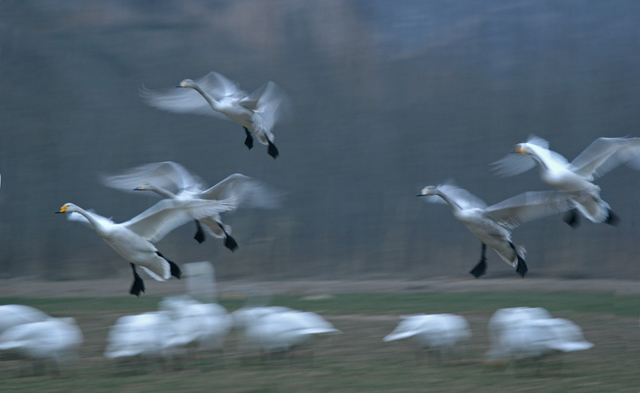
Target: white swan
[
  {"x": 256, "y": 112},
  {"x": 493, "y": 224},
  {"x": 575, "y": 179},
  {"x": 162, "y": 176},
  {"x": 133, "y": 239},
  {"x": 440, "y": 332},
  {"x": 16, "y": 314}
]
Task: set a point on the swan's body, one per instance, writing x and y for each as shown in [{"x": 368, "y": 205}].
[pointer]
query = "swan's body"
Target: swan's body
[
  {"x": 173, "y": 181},
  {"x": 145, "y": 335},
  {"x": 440, "y": 332},
  {"x": 55, "y": 339},
  {"x": 493, "y": 224},
  {"x": 575, "y": 179},
  {"x": 502, "y": 320},
  {"x": 218, "y": 96},
  {"x": 15, "y": 314},
  {"x": 133, "y": 239}
]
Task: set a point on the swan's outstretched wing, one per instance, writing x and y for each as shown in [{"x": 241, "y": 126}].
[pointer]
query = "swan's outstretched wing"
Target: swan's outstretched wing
[
  {"x": 154, "y": 223},
  {"x": 187, "y": 100},
  {"x": 167, "y": 175},
  {"x": 460, "y": 196},
  {"x": 246, "y": 191},
  {"x": 528, "y": 206},
  {"x": 270, "y": 102},
  {"x": 513, "y": 164},
  {"x": 604, "y": 155}
]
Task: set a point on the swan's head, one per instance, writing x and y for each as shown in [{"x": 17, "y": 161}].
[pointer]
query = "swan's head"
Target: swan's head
[
  {"x": 428, "y": 190},
  {"x": 67, "y": 208},
  {"x": 187, "y": 83},
  {"x": 143, "y": 187},
  {"x": 522, "y": 148}
]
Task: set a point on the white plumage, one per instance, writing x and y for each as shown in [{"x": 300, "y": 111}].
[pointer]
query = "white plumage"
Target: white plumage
[
  {"x": 15, "y": 314},
  {"x": 440, "y": 332},
  {"x": 55, "y": 339},
  {"x": 575, "y": 178},
  {"x": 133, "y": 239},
  {"x": 173, "y": 181},
  {"x": 215, "y": 95},
  {"x": 493, "y": 224}
]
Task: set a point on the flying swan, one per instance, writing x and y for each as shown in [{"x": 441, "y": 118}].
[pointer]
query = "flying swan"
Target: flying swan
[
  {"x": 162, "y": 177},
  {"x": 493, "y": 224},
  {"x": 256, "y": 112},
  {"x": 133, "y": 239},
  {"x": 575, "y": 178}
]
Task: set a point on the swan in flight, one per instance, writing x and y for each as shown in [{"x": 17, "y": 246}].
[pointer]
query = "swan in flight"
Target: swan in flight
[
  {"x": 162, "y": 177},
  {"x": 575, "y": 178},
  {"x": 257, "y": 112},
  {"x": 133, "y": 239},
  {"x": 493, "y": 224}
]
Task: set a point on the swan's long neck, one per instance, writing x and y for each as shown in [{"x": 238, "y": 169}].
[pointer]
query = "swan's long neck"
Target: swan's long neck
[
  {"x": 215, "y": 105},
  {"x": 162, "y": 192},
  {"x": 455, "y": 208},
  {"x": 97, "y": 226}
]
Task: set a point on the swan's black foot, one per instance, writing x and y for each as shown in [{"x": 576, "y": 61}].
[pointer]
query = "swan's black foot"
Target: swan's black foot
[
  {"x": 248, "y": 142},
  {"x": 230, "y": 243},
  {"x": 572, "y": 218},
  {"x": 199, "y": 236},
  {"x": 175, "y": 269},
  {"x": 480, "y": 269},
  {"x": 138, "y": 284},
  {"x": 521, "y": 268},
  {"x": 273, "y": 150},
  {"x": 612, "y": 219}
]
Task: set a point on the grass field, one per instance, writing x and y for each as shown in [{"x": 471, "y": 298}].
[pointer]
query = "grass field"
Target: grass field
[{"x": 358, "y": 360}]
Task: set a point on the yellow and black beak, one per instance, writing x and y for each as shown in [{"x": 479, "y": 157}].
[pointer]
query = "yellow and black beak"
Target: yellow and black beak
[
  {"x": 63, "y": 209},
  {"x": 521, "y": 150}
]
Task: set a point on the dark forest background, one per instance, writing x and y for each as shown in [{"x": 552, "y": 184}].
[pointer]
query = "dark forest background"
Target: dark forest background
[{"x": 389, "y": 96}]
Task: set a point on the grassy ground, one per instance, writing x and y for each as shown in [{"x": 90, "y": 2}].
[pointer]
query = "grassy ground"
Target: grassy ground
[{"x": 358, "y": 360}]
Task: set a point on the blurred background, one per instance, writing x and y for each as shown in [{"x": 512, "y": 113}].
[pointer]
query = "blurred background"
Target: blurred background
[{"x": 388, "y": 96}]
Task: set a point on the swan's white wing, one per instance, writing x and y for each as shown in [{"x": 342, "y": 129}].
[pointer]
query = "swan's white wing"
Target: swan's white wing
[
  {"x": 604, "y": 155},
  {"x": 513, "y": 164},
  {"x": 167, "y": 175},
  {"x": 246, "y": 191},
  {"x": 528, "y": 206},
  {"x": 270, "y": 102},
  {"x": 536, "y": 140},
  {"x": 154, "y": 223},
  {"x": 460, "y": 196},
  {"x": 80, "y": 218},
  {"x": 219, "y": 86}
]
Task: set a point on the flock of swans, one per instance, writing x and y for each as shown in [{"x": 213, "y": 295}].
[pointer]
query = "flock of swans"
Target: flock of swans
[{"x": 576, "y": 194}]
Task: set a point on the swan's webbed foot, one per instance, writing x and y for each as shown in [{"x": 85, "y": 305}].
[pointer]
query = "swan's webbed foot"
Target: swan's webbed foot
[
  {"x": 521, "y": 267},
  {"x": 199, "y": 236},
  {"x": 248, "y": 142},
  {"x": 273, "y": 150},
  {"x": 138, "y": 284},
  {"x": 612, "y": 219},
  {"x": 229, "y": 241},
  {"x": 480, "y": 269},
  {"x": 175, "y": 269},
  {"x": 572, "y": 218}
]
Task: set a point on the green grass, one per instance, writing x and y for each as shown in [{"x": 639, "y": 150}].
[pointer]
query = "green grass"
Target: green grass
[{"x": 358, "y": 360}]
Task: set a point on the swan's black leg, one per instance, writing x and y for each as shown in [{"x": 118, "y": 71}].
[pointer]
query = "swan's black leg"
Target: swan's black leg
[
  {"x": 229, "y": 241},
  {"x": 249, "y": 140},
  {"x": 138, "y": 284},
  {"x": 199, "y": 233},
  {"x": 521, "y": 267},
  {"x": 481, "y": 268},
  {"x": 612, "y": 219},
  {"x": 273, "y": 150},
  {"x": 175, "y": 270},
  {"x": 572, "y": 218}
]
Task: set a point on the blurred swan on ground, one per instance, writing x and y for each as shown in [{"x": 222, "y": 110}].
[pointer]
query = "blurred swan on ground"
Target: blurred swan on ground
[
  {"x": 148, "y": 335},
  {"x": 279, "y": 329},
  {"x": 439, "y": 332},
  {"x": 173, "y": 181},
  {"x": 133, "y": 239},
  {"x": 55, "y": 339},
  {"x": 575, "y": 179},
  {"x": 215, "y": 95},
  {"x": 493, "y": 224},
  {"x": 531, "y": 333},
  {"x": 15, "y": 314},
  {"x": 202, "y": 324}
]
